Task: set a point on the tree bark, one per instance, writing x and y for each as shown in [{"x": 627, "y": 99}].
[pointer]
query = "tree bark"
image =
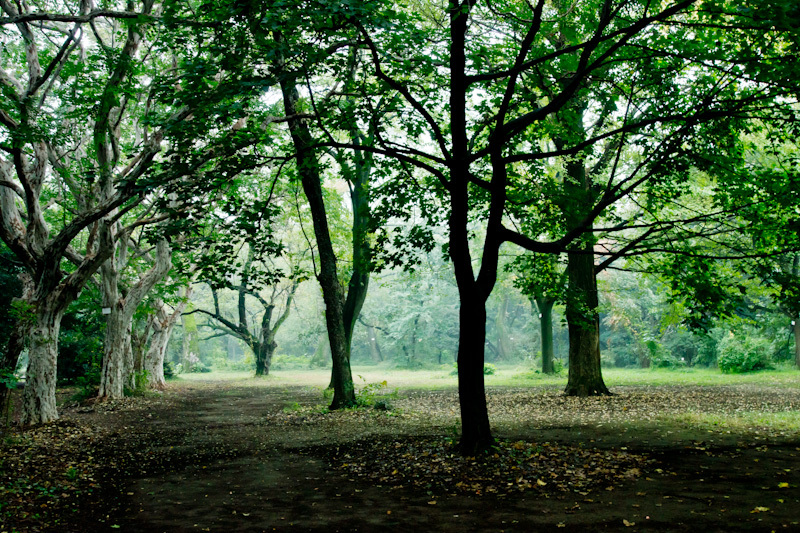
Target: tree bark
[
  {"x": 476, "y": 434},
  {"x": 362, "y": 252},
  {"x": 118, "y": 360},
  {"x": 796, "y": 329},
  {"x": 162, "y": 331},
  {"x": 263, "y": 353},
  {"x": 585, "y": 376},
  {"x": 39, "y": 396},
  {"x": 545, "y": 307}
]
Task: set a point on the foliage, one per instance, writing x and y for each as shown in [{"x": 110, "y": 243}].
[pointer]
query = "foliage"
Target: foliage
[
  {"x": 284, "y": 361},
  {"x": 10, "y": 288},
  {"x": 660, "y": 357},
  {"x": 375, "y": 394},
  {"x": 80, "y": 351},
  {"x": 740, "y": 354},
  {"x": 140, "y": 384}
]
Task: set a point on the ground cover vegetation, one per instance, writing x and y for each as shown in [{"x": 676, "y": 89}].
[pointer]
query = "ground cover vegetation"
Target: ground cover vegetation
[{"x": 515, "y": 193}]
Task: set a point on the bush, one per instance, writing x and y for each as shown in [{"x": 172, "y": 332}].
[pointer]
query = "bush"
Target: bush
[
  {"x": 737, "y": 355},
  {"x": 661, "y": 358},
  {"x": 140, "y": 384},
  {"x": 285, "y": 361}
]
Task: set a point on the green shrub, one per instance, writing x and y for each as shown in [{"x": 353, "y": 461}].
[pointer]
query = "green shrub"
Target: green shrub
[
  {"x": 738, "y": 354},
  {"x": 139, "y": 382},
  {"x": 661, "y": 358},
  {"x": 284, "y": 362},
  {"x": 375, "y": 395}
]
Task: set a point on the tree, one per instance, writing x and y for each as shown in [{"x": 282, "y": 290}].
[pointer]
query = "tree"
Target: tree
[
  {"x": 118, "y": 361},
  {"x": 163, "y": 320},
  {"x": 539, "y": 278},
  {"x": 65, "y": 186},
  {"x": 495, "y": 123},
  {"x": 260, "y": 337}
]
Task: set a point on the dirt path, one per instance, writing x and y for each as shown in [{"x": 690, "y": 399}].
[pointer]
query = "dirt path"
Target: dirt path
[{"x": 235, "y": 459}]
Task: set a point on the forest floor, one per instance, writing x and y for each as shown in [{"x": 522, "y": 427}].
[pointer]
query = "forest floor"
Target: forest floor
[{"x": 265, "y": 455}]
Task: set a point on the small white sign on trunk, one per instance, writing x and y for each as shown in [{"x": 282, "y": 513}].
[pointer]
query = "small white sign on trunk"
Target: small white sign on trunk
[{"x": 106, "y": 310}]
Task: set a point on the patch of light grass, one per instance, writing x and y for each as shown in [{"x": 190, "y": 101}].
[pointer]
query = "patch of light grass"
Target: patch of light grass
[{"x": 784, "y": 423}]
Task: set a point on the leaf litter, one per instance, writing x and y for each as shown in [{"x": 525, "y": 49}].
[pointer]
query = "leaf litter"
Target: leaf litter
[{"x": 434, "y": 465}]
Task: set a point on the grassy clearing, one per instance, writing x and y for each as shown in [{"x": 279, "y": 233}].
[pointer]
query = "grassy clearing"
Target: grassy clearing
[
  {"x": 781, "y": 424},
  {"x": 505, "y": 376},
  {"x": 660, "y": 406}
]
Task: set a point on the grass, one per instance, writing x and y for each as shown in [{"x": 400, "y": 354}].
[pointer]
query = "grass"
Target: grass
[
  {"x": 785, "y": 423},
  {"x": 744, "y": 404},
  {"x": 506, "y": 376}
]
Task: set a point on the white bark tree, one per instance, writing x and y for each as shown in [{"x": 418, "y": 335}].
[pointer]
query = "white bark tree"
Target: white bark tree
[
  {"x": 82, "y": 123},
  {"x": 118, "y": 359},
  {"x": 164, "y": 320}
]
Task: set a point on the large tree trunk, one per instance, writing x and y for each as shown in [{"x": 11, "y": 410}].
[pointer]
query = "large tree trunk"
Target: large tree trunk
[
  {"x": 162, "y": 331},
  {"x": 39, "y": 397},
  {"x": 545, "y": 307},
  {"x": 118, "y": 360},
  {"x": 117, "y": 348},
  {"x": 332, "y": 292},
  {"x": 476, "y": 434},
  {"x": 263, "y": 353},
  {"x": 585, "y": 376}
]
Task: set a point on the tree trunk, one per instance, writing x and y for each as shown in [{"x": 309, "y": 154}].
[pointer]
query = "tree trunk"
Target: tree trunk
[
  {"x": 585, "y": 376},
  {"x": 139, "y": 341},
  {"x": 503, "y": 348},
  {"x": 476, "y": 434},
  {"x": 263, "y": 353},
  {"x": 154, "y": 360},
  {"x": 545, "y": 306},
  {"x": 117, "y": 344},
  {"x": 332, "y": 292},
  {"x": 796, "y": 328},
  {"x": 162, "y": 331},
  {"x": 374, "y": 347},
  {"x": 39, "y": 397}
]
